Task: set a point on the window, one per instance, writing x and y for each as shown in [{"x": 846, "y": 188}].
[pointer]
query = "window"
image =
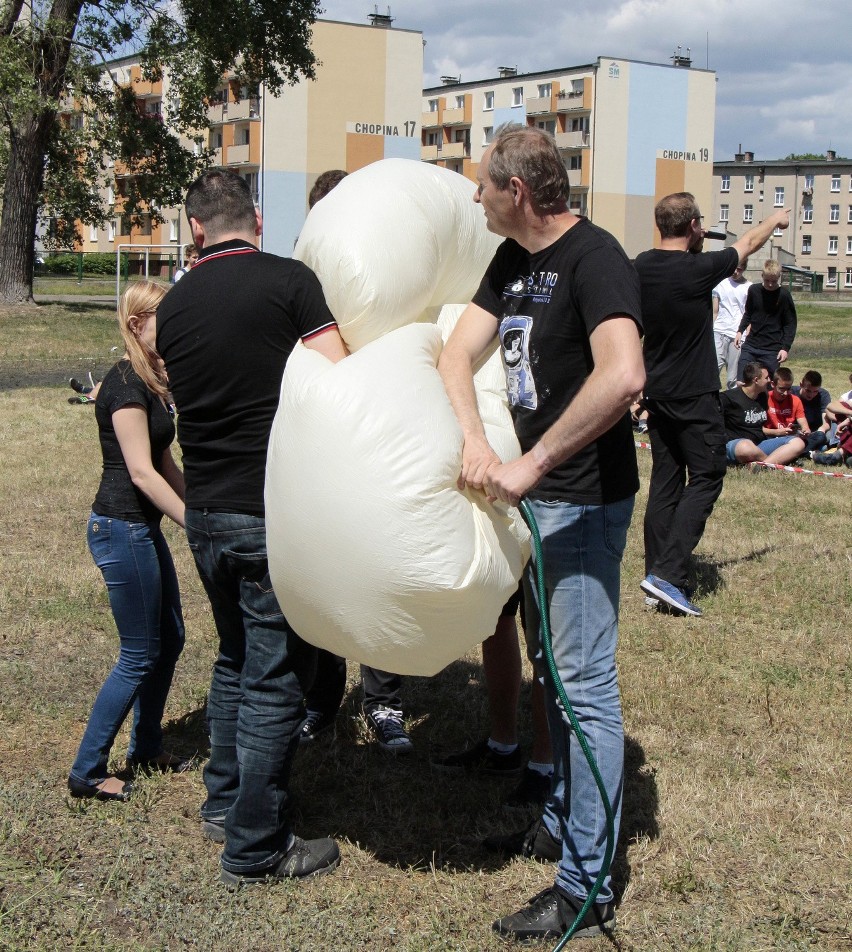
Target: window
[
  {"x": 575, "y": 162},
  {"x": 460, "y": 102},
  {"x": 488, "y": 102},
  {"x": 544, "y": 90},
  {"x": 518, "y": 96},
  {"x": 726, "y": 183},
  {"x": 809, "y": 181},
  {"x": 549, "y": 125},
  {"x": 93, "y": 233},
  {"x": 849, "y": 245},
  {"x": 579, "y": 124},
  {"x": 835, "y": 182},
  {"x": 460, "y": 135},
  {"x": 433, "y": 105},
  {"x": 110, "y": 231},
  {"x": 834, "y": 215},
  {"x": 433, "y": 138},
  {"x": 832, "y": 244},
  {"x": 831, "y": 278},
  {"x": 849, "y": 216},
  {"x": 748, "y": 183},
  {"x": 807, "y": 213},
  {"x": 848, "y": 282},
  {"x": 723, "y": 212},
  {"x": 748, "y": 214},
  {"x": 779, "y": 196},
  {"x": 806, "y": 244},
  {"x": 173, "y": 229},
  {"x": 110, "y": 195},
  {"x": 488, "y": 135}
]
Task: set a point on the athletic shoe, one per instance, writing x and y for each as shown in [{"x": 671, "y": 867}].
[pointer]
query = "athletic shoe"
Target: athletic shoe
[
  {"x": 669, "y": 595},
  {"x": 81, "y": 398},
  {"x": 533, "y": 790},
  {"x": 78, "y": 387},
  {"x": 304, "y": 858},
  {"x": 213, "y": 829},
  {"x": 316, "y": 723},
  {"x": 551, "y": 913},
  {"x": 481, "y": 758},
  {"x": 534, "y": 842},
  {"x": 386, "y": 724}
]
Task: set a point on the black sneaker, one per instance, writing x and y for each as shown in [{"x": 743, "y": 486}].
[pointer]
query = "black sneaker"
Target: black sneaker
[
  {"x": 550, "y": 914},
  {"x": 483, "y": 759},
  {"x": 213, "y": 829},
  {"x": 316, "y": 723},
  {"x": 389, "y": 730},
  {"x": 304, "y": 858},
  {"x": 533, "y": 790},
  {"x": 78, "y": 387},
  {"x": 535, "y": 842}
]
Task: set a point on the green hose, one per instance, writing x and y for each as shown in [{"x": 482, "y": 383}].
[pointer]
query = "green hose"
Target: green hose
[{"x": 538, "y": 561}]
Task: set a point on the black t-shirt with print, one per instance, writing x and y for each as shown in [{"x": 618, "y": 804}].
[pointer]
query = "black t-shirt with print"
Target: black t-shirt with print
[
  {"x": 547, "y": 305},
  {"x": 117, "y": 497},
  {"x": 677, "y": 313},
  {"x": 744, "y": 417},
  {"x": 225, "y": 331}
]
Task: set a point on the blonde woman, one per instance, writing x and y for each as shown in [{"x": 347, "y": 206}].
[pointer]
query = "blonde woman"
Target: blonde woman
[{"x": 140, "y": 483}]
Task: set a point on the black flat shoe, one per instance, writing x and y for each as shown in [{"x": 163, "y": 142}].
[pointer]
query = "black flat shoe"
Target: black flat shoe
[
  {"x": 91, "y": 791},
  {"x": 165, "y": 763}
]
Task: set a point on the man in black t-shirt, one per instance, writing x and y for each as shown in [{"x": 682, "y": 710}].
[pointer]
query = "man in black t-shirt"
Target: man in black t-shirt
[
  {"x": 564, "y": 300},
  {"x": 682, "y": 389},
  {"x": 225, "y": 332}
]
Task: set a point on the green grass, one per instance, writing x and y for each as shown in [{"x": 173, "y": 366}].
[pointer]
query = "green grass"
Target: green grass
[{"x": 736, "y": 830}]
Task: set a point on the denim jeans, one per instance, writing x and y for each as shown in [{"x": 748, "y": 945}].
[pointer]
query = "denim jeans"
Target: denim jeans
[
  {"x": 143, "y": 593},
  {"x": 381, "y": 688},
  {"x": 582, "y": 548},
  {"x": 255, "y": 707}
]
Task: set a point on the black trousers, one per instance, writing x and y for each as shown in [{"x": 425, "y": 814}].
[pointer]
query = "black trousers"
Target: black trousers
[
  {"x": 381, "y": 688},
  {"x": 688, "y": 450},
  {"x": 769, "y": 359}
]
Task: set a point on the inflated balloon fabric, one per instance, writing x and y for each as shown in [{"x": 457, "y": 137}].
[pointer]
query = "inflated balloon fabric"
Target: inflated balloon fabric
[
  {"x": 393, "y": 243},
  {"x": 374, "y": 552}
]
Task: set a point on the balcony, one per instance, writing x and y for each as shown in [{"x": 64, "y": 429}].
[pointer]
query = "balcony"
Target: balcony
[
  {"x": 218, "y": 156},
  {"x": 539, "y": 105},
  {"x": 217, "y": 113},
  {"x": 454, "y": 117},
  {"x": 430, "y": 120},
  {"x": 429, "y": 153},
  {"x": 575, "y": 178},
  {"x": 572, "y": 140},
  {"x": 455, "y": 150},
  {"x": 238, "y": 154},
  {"x": 570, "y": 102},
  {"x": 244, "y": 109}
]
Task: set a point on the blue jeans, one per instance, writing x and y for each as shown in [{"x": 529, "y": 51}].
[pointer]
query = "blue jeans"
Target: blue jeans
[
  {"x": 255, "y": 707},
  {"x": 143, "y": 594},
  {"x": 582, "y": 548}
]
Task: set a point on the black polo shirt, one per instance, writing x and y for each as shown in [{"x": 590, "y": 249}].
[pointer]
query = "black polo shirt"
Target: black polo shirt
[{"x": 225, "y": 332}]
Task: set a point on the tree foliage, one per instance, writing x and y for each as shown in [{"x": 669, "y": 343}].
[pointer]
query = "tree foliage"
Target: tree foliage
[
  {"x": 809, "y": 157},
  {"x": 64, "y": 118}
]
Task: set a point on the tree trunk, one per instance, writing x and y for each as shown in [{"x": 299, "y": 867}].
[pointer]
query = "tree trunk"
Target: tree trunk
[
  {"x": 24, "y": 177},
  {"x": 29, "y": 136}
]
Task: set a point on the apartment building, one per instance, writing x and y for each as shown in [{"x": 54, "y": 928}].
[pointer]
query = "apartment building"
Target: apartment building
[
  {"x": 819, "y": 194},
  {"x": 630, "y": 133},
  {"x": 363, "y": 105}
]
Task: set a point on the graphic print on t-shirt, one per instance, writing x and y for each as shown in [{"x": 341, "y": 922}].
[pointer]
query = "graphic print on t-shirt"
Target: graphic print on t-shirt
[{"x": 515, "y": 341}]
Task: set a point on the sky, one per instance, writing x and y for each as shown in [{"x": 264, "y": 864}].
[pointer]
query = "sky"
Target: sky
[{"x": 783, "y": 69}]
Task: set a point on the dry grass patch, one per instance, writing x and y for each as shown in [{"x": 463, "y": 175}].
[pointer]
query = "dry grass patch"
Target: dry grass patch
[{"x": 736, "y": 831}]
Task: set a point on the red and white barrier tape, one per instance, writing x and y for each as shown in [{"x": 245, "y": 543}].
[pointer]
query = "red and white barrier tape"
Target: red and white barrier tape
[{"x": 787, "y": 469}]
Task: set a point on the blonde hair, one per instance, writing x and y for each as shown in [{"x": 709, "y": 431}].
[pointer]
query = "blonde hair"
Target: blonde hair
[
  {"x": 771, "y": 268},
  {"x": 134, "y": 309}
]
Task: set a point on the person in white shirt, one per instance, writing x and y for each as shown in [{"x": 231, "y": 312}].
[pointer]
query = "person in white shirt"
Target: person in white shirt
[{"x": 728, "y": 303}]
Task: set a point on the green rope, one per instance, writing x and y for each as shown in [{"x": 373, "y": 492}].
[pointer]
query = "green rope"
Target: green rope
[{"x": 538, "y": 561}]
